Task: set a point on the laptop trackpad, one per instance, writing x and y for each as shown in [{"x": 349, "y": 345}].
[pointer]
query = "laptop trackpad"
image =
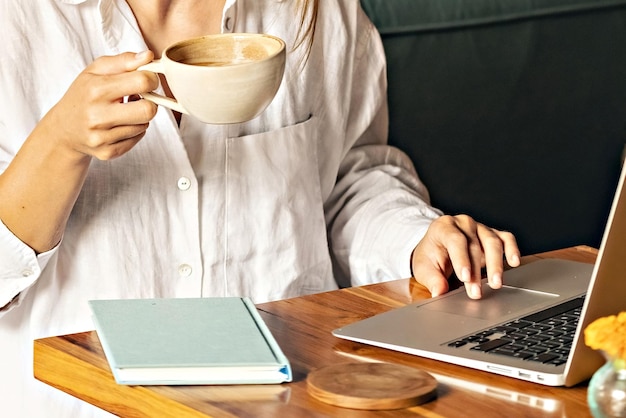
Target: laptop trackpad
[{"x": 494, "y": 305}]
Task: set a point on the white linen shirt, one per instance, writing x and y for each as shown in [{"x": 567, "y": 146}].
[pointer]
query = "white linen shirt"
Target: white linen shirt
[{"x": 303, "y": 198}]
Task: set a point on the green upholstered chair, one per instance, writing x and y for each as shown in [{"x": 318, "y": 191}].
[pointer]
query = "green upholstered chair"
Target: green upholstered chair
[{"x": 513, "y": 111}]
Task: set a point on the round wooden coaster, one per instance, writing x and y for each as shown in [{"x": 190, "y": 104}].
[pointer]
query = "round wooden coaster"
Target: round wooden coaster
[{"x": 372, "y": 386}]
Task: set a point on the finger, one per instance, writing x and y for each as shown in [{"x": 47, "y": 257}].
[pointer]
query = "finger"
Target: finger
[
  {"x": 493, "y": 250},
  {"x": 116, "y": 64},
  {"x": 121, "y": 147},
  {"x": 113, "y": 88},
  {"x": 103, "y": 117},
  {"x": 468, "y": 258},
  {"x": 134, "y": 113},
  {"x": 476, "y": 253},
  {"x": 123, "y": 121},
  {"x": 473, "y": 290},
  {"x": 429, "y": 267},
  {"x": 475, "y": 256},
  {"x": 432, "y": 279},
  {"x": 463, "y": 247},
  {"x": 511, "y": 250}
]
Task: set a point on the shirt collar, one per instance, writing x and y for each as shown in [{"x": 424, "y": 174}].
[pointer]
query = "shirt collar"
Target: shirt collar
[{"x": 115, "y": 25}]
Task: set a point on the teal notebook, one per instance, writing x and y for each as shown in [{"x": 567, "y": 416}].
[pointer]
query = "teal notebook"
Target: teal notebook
[{"x": 188, "y": 341}]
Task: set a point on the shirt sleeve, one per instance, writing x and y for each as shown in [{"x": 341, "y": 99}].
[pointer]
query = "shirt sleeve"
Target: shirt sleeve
[
  {"x": 379, "y": 209},
  {"x": 20, "y": 267}
]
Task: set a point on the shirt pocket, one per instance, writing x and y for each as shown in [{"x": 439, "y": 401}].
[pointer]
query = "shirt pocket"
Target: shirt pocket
[{"x": 275, "y": 227}]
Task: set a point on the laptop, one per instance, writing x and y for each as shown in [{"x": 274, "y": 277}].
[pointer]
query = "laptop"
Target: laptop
[{"x": 530, "y": 329}]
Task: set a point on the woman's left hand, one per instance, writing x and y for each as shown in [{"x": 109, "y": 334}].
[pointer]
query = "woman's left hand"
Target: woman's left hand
[{"x": 461, "y": 245}]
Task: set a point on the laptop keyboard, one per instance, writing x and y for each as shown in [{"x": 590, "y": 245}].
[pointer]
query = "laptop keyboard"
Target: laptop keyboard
[{"x": 544, "y": 337}]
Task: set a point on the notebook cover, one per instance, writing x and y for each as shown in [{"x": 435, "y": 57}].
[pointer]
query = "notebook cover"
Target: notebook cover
[{"x": 188, "y": 341}]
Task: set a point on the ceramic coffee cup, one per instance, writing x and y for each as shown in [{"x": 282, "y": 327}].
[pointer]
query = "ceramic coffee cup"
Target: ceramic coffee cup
[{"x": 221, "y": 79}]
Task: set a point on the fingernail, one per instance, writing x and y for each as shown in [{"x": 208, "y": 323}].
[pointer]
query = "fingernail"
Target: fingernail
[
  {"x": 466, "y": 275},
  {"x": 496, "y": 281},
  {"x": 475, "y": 290}
]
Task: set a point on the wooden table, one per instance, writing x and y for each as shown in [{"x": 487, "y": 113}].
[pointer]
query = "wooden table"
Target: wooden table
[{"x": 76, "y": 364}]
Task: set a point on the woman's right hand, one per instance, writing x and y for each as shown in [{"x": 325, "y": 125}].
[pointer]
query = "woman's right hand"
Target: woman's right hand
[
  {"x": 42, "y": 182},
  {"x": 93, "y": 118}
]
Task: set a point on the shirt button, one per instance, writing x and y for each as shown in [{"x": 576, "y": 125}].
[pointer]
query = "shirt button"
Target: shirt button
[
  {"x": 184, "y": 270},
  {"x": 184, "y": 183},
  {"x": 27, "y": 273}
]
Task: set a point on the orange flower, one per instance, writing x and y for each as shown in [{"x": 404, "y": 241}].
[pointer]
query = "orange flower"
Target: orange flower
[{"x": 609, "y": 335}]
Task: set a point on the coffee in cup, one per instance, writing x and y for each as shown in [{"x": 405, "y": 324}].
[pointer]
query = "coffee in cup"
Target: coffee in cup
[{"x": 223, "y": 78}]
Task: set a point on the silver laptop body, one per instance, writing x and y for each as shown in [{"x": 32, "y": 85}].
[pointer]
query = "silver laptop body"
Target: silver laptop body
[{"x": 431, "y": 328}]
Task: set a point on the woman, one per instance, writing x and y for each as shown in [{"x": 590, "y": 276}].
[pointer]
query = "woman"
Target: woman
[{"x": 102, "y": 197}]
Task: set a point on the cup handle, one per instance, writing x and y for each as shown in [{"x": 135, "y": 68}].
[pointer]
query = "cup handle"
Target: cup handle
[{"x": 157, "y": 67}]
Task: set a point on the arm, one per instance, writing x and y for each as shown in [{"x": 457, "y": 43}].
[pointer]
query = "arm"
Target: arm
[
  {"x": 382, "y": 221},
  {"x": 41, "y": 183},
  {"x": 379, "y": 209}
]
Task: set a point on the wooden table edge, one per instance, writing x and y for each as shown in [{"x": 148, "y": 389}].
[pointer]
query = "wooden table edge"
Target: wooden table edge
[{"x": 56, "y": 365}]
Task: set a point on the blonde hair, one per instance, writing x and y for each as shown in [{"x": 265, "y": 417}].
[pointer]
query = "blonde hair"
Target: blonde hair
[{"x": 308, "y": 20}]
